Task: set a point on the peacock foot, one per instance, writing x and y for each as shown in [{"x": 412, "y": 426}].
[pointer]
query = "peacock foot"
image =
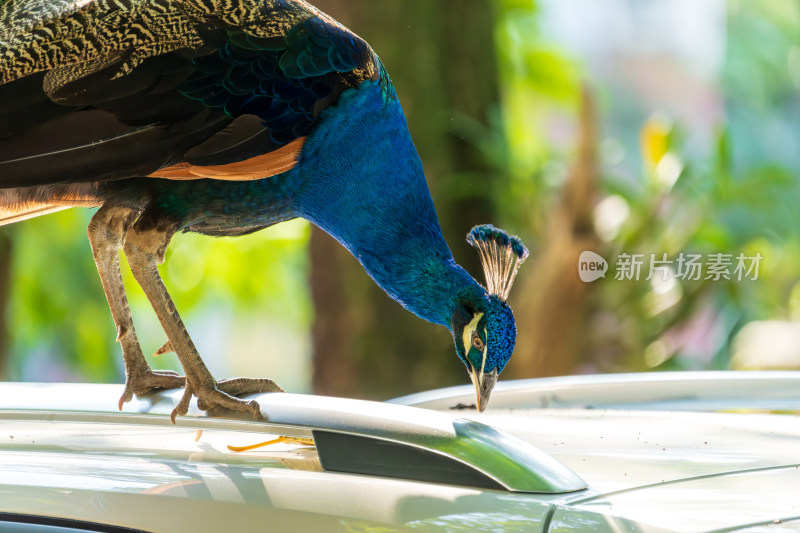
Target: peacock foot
[
  {"x": 148, "y": 380},
  {"x": 221, "y": 400}
]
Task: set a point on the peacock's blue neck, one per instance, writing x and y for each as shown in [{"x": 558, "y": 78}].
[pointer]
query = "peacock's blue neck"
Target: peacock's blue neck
[{"x": 363, "y": 183}]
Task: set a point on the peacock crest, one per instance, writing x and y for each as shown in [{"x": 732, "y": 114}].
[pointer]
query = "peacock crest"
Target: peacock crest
[{"x": 501, "y": 256}]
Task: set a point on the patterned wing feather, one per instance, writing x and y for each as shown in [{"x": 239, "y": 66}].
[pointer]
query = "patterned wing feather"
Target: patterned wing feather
[{"x": 111, "y": 89}]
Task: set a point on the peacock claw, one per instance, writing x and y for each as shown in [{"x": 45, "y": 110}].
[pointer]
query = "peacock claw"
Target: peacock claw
[
  {"x": 149, "y": 380},
  {"x": 221, "y": 400},
  {"x": 183, "y": 405},
  {"x": 144, "y": 247}
]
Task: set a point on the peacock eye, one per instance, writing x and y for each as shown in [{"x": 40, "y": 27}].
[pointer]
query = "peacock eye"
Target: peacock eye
[{"x": 477, "y": 343}]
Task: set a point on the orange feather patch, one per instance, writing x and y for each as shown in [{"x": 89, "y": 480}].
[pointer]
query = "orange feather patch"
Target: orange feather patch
[{"x": 255, "y": 168}]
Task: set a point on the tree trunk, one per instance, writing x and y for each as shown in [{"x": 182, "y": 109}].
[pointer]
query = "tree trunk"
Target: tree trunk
[{"x": 552, "y": 303}]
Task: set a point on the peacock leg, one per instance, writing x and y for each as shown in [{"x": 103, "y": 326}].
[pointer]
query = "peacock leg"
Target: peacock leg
[
  {"x": 106, "y": 232},
  {"x": 145, "y": 244}
]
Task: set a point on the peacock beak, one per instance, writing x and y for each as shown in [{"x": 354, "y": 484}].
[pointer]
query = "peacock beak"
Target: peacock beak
[{"x": 484, "y": 383}]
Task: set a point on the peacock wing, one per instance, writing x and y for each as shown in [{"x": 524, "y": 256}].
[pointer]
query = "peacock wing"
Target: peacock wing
[{"x": 177, "y": 89}]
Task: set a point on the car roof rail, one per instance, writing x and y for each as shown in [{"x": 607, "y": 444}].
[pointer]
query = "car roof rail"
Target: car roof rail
[{"x": 353, "y": 436}]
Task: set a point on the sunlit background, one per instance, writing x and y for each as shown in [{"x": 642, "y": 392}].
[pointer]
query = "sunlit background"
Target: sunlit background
[{"x": 622, "y": 127}]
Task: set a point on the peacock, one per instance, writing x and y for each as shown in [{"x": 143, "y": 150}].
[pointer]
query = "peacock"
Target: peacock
[{"x": 224, "y": 117}]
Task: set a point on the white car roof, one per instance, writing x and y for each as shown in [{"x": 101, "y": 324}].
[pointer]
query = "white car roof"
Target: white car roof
[{"x": 66, "y": 452}]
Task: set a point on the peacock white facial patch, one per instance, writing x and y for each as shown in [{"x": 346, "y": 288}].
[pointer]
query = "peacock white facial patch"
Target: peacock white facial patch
[{"x": 466, "y": 335}]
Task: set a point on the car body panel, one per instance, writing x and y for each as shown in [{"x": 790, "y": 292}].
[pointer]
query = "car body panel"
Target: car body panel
[
  {"x": 496, "y": 457},
  {"x": 60, "y": 459},
  {"x": 65, "y": 453},
  {"x": 696, "y": 505},
  {"x": 615, "y": 450},
  {"x": 73, "y": 470}
]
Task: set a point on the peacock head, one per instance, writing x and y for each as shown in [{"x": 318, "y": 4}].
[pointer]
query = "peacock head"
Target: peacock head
[{"x": 483, "y": 325}]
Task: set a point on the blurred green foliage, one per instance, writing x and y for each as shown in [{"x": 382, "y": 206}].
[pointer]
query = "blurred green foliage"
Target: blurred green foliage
[
  {"x": 761, "y": 80},
  {"x": 536, "y": 78},
  {"x": 668, "y": 197},
  {"x": 739, "y": 198},
  {"x": 60, "y": 324},
  {"x": 56, "y": 302}
]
